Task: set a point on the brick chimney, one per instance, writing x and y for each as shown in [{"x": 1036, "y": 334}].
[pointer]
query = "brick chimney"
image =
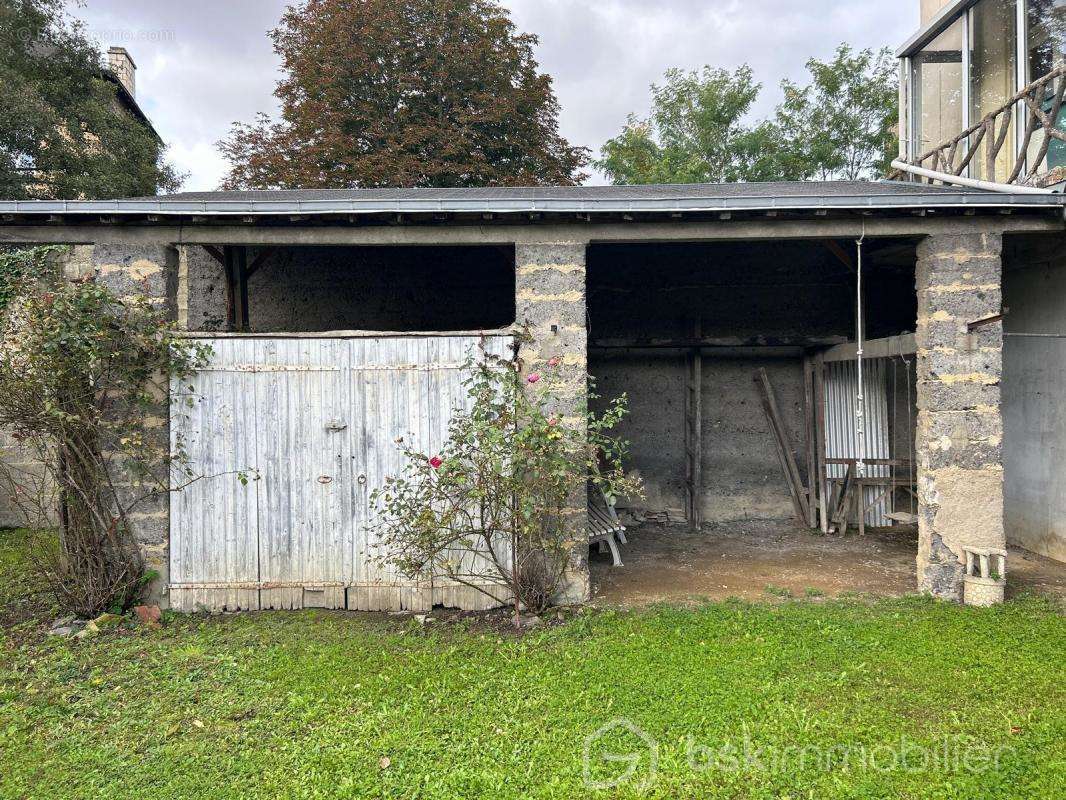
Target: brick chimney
[{"x": 123, "y": 68}]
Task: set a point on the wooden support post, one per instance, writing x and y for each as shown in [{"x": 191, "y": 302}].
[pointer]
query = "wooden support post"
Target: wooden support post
[
  {"x": 860, "y": 507},
  {"x": 235, "y": 260},
  {"x": 809, "y": 440},
  {"x": 819, "y": 439},
  {"x": 228, "y": 261},
  {"x": 694, "y": 431},
  {"x": 784, "y": 448},
  {"x": 242, "y": 283}
]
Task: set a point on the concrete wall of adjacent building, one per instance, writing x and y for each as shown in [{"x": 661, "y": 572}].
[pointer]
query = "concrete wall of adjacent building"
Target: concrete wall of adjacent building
[
  {"x": 929, "y": 9},
  {"x": 1034, "y": 396}
]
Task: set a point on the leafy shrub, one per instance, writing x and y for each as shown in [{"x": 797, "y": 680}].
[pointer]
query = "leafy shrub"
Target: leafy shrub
[
  {"x": 495, "y": 508},
  {"x": 82, "y": 377}
]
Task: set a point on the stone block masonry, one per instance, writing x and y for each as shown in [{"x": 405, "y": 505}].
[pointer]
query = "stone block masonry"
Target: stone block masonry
[
  {"x": 150, "y": 271},
  {"x": 959, "y": 436},
  {"x": 550, "y": 302}
]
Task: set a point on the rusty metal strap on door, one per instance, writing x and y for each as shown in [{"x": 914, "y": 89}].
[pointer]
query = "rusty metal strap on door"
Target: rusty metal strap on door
[
  {"x": 267, "y": 368},
  {"x": 407, "y": 367},
  {"x": 316, "y": 368}
]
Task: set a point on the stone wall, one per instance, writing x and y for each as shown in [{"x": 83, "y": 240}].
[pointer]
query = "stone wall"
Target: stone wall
[
  {"x": 550, "y": 302},
  {"x": 201, "y": 298},
  {"x": 127, "y": 271},
  {"x": 18, "y": 460},
  {"x": 741, "y": 472},
  {"x": 960, "y": 430},
  {"x": 75, "y": 262},
  {"x": 150, "y": 271}
]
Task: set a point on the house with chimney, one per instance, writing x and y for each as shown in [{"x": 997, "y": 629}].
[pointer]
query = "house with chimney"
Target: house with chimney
[{"x": 120, "y": 69}]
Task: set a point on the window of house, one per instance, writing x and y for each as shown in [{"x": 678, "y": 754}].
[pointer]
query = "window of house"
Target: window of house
[
  {"x": 936, "y": 85},
  {"x": 904, "y": 111},
  {"x": 1046, "y": 51},
  {"x": 993, "y": 75},
  {"x": 1046, "y": 36}
]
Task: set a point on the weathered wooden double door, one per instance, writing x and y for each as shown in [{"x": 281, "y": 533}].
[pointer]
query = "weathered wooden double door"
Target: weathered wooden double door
[{"x": 312, "y": 424}]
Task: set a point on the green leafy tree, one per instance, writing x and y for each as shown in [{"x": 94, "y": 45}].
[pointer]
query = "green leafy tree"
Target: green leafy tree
[
  {"x": 404, "y": 93},
  {"x": 841, "y": 125},
  {"x": 696, "y": 133},
  {"x": 63, "y": 134}
]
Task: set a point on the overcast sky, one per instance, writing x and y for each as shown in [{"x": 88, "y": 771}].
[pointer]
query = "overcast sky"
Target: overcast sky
[{"x": 203, "y": 64}]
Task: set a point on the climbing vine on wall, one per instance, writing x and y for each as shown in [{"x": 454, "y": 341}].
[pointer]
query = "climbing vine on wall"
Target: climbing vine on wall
[
  {"x": 83, "y": 387},
  {"x": 18, "y": 264}
]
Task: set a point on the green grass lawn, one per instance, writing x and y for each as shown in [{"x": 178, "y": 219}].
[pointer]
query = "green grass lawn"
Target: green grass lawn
[{"x": 318, "y": 704}]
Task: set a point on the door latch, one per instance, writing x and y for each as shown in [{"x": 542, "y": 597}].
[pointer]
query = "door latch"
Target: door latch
[{"x": 334, "y": 426}]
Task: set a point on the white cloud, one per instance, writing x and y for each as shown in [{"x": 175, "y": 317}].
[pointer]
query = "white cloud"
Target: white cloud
[{"x": 203, "y": 64}]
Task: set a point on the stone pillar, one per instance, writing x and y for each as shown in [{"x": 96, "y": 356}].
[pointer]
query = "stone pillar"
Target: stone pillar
[
  {"x": 550, "y": 301},
  {"x": 960, "y": 430},
  {"x": 149, "y": 271}
]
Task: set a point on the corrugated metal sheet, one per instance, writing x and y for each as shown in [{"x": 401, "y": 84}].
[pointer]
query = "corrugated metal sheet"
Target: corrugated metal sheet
[
  {"x": 841, "y": 439},
  {"x": 317, "y": 419}
]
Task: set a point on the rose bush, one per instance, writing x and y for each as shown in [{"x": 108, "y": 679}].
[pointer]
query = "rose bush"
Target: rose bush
[{"x": 499, "y": 507}]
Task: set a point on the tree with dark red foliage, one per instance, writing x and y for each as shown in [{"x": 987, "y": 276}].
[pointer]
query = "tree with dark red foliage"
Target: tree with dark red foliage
[{"x": 404, "y": 93}]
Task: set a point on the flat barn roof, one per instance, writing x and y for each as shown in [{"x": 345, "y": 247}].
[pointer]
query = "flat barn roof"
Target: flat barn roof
[{"x": 656, "y": 198}]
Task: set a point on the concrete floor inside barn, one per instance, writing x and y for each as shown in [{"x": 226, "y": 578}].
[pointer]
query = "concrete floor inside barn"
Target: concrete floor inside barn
[{"x": 755, "y": 559}]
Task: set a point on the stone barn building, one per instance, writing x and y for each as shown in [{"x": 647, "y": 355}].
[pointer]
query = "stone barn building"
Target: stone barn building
[{"x": 729, "y": 314}]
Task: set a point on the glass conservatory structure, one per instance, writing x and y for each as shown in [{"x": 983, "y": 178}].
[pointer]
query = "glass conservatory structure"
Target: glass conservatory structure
[{"x": 981, "y": 91}]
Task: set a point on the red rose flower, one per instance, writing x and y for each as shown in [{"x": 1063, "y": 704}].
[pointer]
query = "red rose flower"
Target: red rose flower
[{"x": 435, "y": 462}]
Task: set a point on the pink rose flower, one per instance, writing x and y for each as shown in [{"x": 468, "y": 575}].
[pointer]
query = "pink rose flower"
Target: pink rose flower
[
  {"x": 435, "y": 462},
  {"x": 533, "y": 378},
  {"x": 554, "y": 361}
]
